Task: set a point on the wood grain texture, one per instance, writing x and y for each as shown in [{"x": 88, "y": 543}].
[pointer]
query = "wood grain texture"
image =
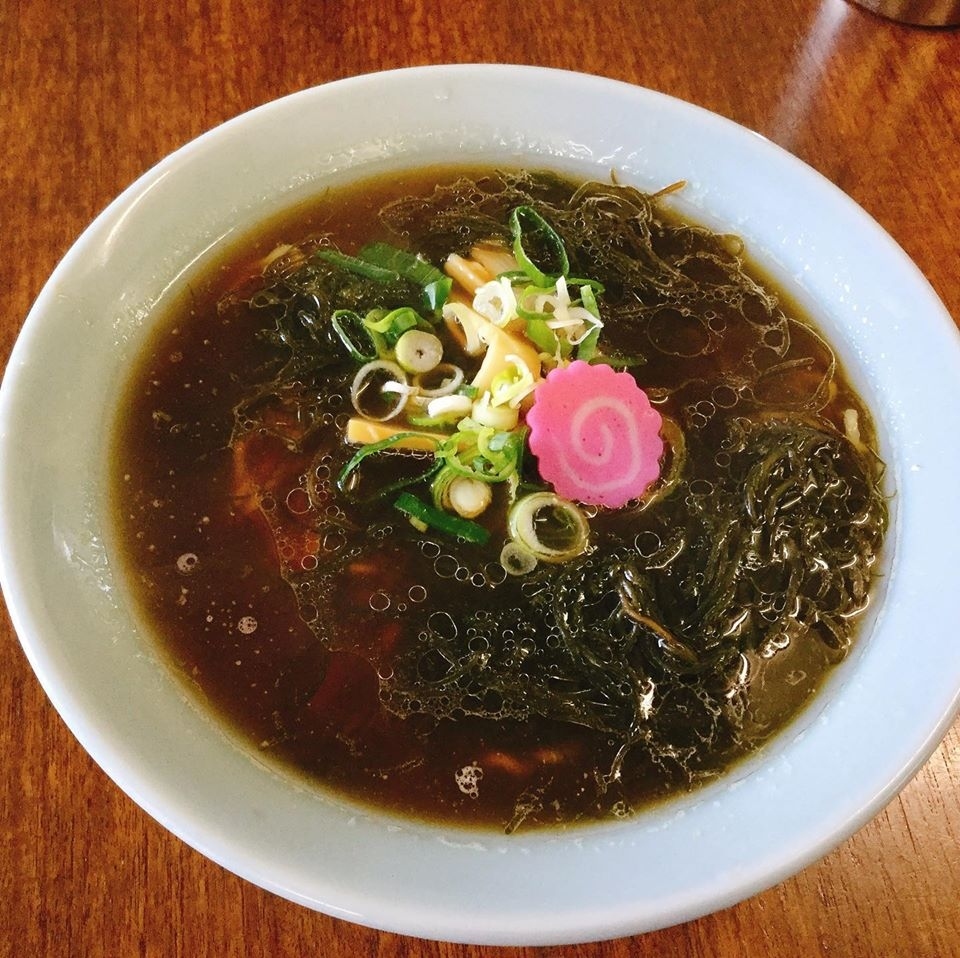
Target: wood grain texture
[{"x": 92, "y": 94}]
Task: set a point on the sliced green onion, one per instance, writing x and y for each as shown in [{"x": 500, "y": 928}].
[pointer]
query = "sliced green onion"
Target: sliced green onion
[
  {"x": 469, "y": 497},
  {"x": 396, "y": 260},
  {"x": 442, "y": 380},
  {"x": 496, "y": 301},
  {"x": 515, "y": 276},
  {"x": 587, "y": 348},
  {"x": 384, "y": 263},
  {"x": 435, "y": 294},
  {"x": 484, "y": 454},
  {"x": 452, "y": 407},
  {"x": 589, "y": 300},
  {"x": 436, "y": 285},
  {"x": 613, "y": 359},
  {"x": 353, "y": 264},
  {"x": 541, "y": 321},
  {"x": 528, "y": 297},
  {"x": 466, "y": 497},
  {"x": 367, "y": 377},
  {"x": 593, "y": 284},
  {"x": 354, "y": 335},
  {"x": 542, "y": 336},
  {"x": 440, "y": 484},
  {"x": 416, "y": 509},
  {"x": 418, "y": 352},
  {"x": 394, "y": 324},
  {"x": 528, "y": 227},
  {"x": 498, "y": 417},
  {"x": 512, "y": 384},
  {"x": 347, "y": 479},
  {"x": 516, "y": 560},
  {"x": 432, "y": 422},
  {"x": 553, "y": 529}
]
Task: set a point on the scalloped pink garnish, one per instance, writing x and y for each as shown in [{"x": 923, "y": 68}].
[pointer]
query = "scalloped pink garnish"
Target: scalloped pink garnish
[{"x": 595, "y": 435}]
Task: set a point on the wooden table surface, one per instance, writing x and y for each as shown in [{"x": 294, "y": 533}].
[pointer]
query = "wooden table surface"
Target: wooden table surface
[{"x": 94, "y": 93}]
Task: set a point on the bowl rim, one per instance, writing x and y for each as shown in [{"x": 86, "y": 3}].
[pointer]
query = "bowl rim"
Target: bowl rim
[{"x": 501, "y": 925}]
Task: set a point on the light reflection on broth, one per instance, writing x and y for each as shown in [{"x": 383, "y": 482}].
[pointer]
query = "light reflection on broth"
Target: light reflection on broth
[{"x": 422, "y": 674}]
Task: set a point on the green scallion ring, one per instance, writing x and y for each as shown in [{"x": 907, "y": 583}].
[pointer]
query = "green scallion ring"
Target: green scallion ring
[
  {"x": 343, "y": 479},
  {"x": 466, "y": 529},
  {"x": 349, "y": 326},
  {"x": 525, "y": 224},
  {"x": 529, "y": 516}
]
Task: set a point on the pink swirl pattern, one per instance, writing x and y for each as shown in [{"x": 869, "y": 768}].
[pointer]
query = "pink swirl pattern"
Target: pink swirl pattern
[{"x": 595, "y": 435}]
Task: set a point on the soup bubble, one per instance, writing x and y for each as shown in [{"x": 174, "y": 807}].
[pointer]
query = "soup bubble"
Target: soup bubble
[
  {"x": 446, "y": 566},
  {"x": 298, "y": 501},
  {"x": 430, "y": 549},
  {"x": 468, "y": 780},
  {"x": 309, "y": 612},
  {"x": 774, "y": 338},
  {"x": 442, "y": 624},
  {"x": 379, "y": 602},
  {"x": 334, "y": 541},
  {"x": 532, "y": 589},
  {"x": 716, "y": 323},
  {"x": 647, "y": 543},
  {"x": 187, "y": 562},
  {"x": 724, "y": 396}
]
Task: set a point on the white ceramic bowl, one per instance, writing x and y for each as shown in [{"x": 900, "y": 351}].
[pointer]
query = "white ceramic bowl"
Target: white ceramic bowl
[{"x": 880, "y": 716}]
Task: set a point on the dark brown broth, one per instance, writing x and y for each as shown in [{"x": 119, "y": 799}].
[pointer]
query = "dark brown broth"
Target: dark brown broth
[{"x": 205, "y": 566}]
